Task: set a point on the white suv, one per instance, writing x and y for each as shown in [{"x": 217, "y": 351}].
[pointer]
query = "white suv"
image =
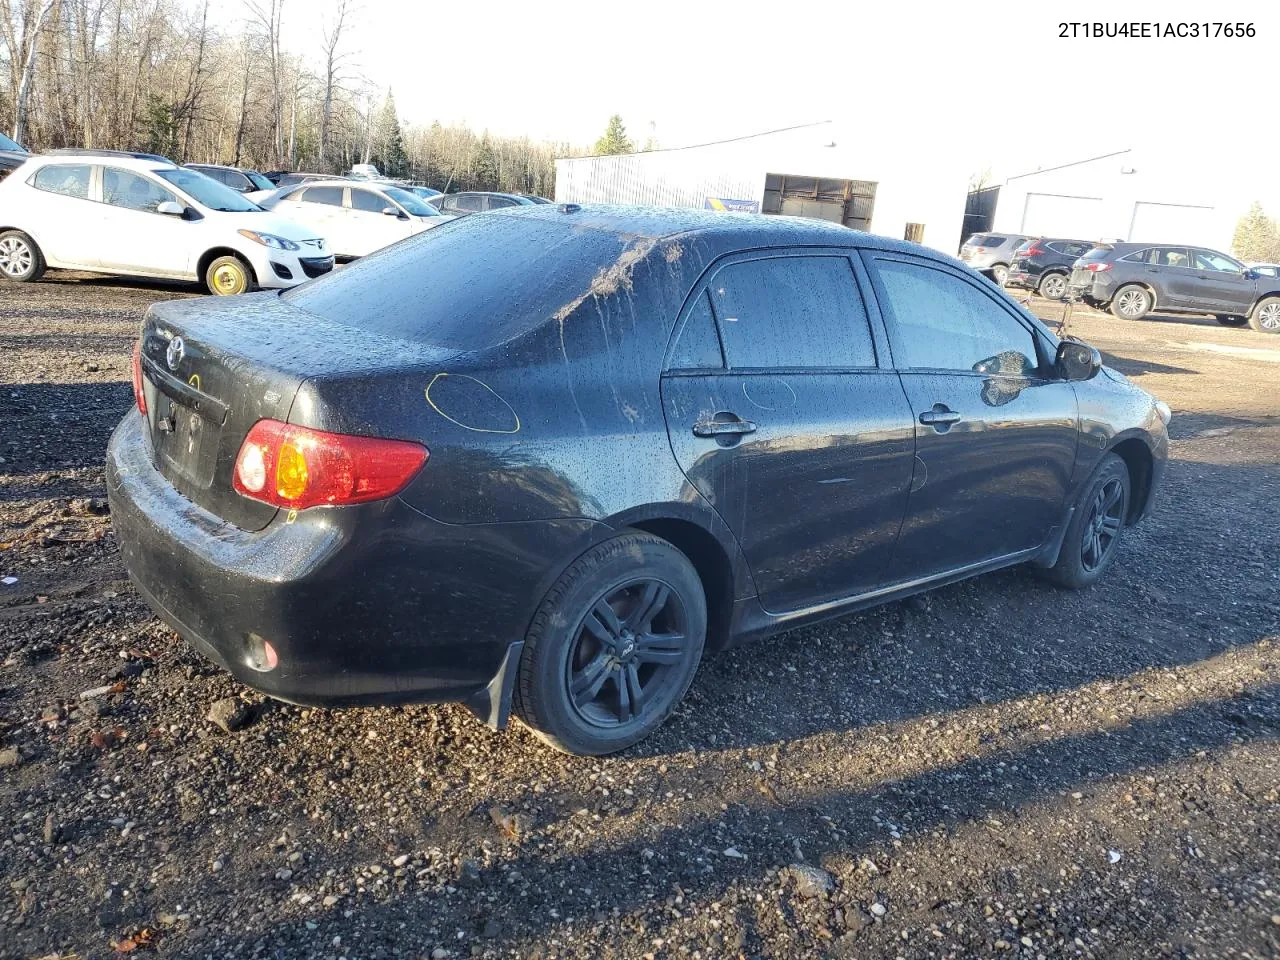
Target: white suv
[{"x": 126, "y": 214}]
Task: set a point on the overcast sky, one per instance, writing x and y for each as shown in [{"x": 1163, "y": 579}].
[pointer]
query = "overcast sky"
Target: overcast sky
[{"x": 994, "y": 81}]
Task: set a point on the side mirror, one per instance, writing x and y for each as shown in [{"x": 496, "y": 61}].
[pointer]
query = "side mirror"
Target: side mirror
[
  {"x": 391, "y": 211},
  {"x": 171, "y": 208},
  {"x": 1076, "y": 360},
  {"x": 1251, "y": 274}
]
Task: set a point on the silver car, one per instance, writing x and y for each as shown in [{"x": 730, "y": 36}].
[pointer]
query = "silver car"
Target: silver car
[{"x": 991, "y": 253}]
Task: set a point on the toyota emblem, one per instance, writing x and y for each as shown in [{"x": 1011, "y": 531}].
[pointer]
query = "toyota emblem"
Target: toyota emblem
[{"x": 173, "y": 356}]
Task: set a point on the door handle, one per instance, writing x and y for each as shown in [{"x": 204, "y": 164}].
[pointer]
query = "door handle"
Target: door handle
[
  {"x": 721, "y": 428},
  {"x": 940, "y": 415}
]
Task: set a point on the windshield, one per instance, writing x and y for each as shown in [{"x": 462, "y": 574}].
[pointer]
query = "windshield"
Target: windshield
[
  {"x": 412, "y": 203},
  {"x": 207, "y": 191},
  {"x": 258, "y": 180},
  {"x": 7, "y": 144}
]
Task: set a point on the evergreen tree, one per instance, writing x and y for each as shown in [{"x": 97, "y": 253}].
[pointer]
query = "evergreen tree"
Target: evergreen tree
[
  {"x": 1257, "y": 237},
  {"x": 484, "y": 165},
  {"x": 388, "y": 140},
  {"x": 615, "y": 139}
]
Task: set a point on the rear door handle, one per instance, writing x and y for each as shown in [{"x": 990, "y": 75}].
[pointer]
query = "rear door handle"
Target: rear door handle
[
  {"x": 720, "y": 428},
  {"x": 939, "y": 415}
]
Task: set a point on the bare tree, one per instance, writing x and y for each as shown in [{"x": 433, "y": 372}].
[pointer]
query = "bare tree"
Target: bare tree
[
  {"x": 28, "y": 44},
  {"x": 268, "y": 20},
  {"x": 331, "y": 37}
]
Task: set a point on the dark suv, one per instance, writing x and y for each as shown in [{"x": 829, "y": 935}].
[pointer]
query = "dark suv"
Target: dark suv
[
  {"x": 1132, "y": 279},
  {"x": 991, "y": 253},
  {"x": 1044, "y": 265}
]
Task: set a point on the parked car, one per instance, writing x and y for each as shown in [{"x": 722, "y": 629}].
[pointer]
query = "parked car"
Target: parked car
[
  {"x": 426, "y": 193},
  {"x": 1132, "y": 279},
  {"x": 293, "y": 179},
  {"x": 991, "y": 253},
  {"x": 1265, "y": 269},
  {"x": 1043, "y": 265},
  {"x": 12, "y": 150},
  {"x": 117, "y": 214},
  {"x": 249, "y": 182},
  {"x": 476, "y": 201},
  {"x": 358, "y": 217},
  {"x": 543, "y": 459}
]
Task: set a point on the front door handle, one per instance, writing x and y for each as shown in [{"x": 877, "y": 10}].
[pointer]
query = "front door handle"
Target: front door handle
[
  {"x": 721, "y": 428},
  {"x": 940, "y": 415}
]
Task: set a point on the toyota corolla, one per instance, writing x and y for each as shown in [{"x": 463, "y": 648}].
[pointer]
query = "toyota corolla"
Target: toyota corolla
[{"x": 546, "y": 460}]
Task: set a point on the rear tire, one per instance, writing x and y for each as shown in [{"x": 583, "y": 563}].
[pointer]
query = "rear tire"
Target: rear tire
[
  {"x": 1097, "y": 525},
  {"x": 1052, "y": 286},
  {"x": 20, "y": 258},
  {"x": 1231, "y": 321},
  {"x": 624, "y": 625},
  {"x": 227, "y": 276},
  {"x": 1265, "y": 317},
  {"x": 1000, "y": 274},
  {"x": 1131, "y": 303}
]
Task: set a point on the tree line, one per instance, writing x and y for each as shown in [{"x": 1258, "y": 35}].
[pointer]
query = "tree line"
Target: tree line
[{"x": 163, "y": 76}]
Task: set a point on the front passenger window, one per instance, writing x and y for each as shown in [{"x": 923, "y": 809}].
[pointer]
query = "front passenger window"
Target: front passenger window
[
  {"x": 945, "y": 323},
  {"x": 120, "y": 188}
]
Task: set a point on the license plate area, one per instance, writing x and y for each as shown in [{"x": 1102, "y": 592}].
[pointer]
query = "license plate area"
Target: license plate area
[{"x": 186, "y": 427}]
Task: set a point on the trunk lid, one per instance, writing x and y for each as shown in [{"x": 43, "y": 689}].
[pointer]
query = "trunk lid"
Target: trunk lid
[{"x": 215, "y": 366}]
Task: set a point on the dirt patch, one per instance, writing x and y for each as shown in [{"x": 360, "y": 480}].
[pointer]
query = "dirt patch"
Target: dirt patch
[{"x": 997, "y": 768}]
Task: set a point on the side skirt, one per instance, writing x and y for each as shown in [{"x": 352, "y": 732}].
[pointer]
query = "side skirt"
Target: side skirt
[{"x": 752, "y": 621}]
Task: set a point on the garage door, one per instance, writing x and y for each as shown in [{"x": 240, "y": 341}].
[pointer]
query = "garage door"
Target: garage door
[
  {"x": 1170, "y": 223},
  {"x": 1057, "y": 215}
]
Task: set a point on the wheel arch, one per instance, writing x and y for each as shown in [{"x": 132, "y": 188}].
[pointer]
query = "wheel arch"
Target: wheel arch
[
  {"x": 1155, "y": 297},
  {"x": 213, "y": 253},
  {"x": 1140, "y": 461},
  {"x": 712, "y": 550}
]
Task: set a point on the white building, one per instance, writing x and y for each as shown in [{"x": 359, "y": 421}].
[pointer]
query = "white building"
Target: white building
[
  {"x": 1123, "y": 195},
  {"x": 889, "y": 185}
]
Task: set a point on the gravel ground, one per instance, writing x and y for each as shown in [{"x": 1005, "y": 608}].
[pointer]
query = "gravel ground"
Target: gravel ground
[{"x": 996, "y": 769}]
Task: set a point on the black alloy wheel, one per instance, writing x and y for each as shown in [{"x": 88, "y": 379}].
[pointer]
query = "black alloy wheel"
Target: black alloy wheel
[
  {"x": 624, "y": 652},
  {"x": 1102, "y": 525},
  {"x": 613, "y": 646}
]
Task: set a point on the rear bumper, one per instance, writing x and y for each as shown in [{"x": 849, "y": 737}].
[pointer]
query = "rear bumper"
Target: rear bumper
[
  {"x": 1096, "y": 290},
  {"x": 370, "y": 604},
  {"x": 1022, "y": 279}
]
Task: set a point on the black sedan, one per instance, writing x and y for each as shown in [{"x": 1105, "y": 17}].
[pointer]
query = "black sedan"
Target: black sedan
[{"x": 547, "y": 459}]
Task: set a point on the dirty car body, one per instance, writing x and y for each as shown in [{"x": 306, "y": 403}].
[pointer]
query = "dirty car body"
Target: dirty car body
[{"x": 574, "y": 373}]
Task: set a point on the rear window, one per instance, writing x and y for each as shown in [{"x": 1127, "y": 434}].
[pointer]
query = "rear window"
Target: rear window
[
  {"x": 466, "y": 284},
  {"x": 1096, "y": 253},
  {"x": 1025, "y": 245},
  {"x": 984, "y": 240}
]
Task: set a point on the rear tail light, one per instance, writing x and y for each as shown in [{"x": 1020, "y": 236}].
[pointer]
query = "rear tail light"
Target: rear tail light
[
  {"x": 1097, "y": 267},
  {"x": 295, "y": 467},
  {"x": 1034, "y": 250},
  {"x": 139, "y": 396}
]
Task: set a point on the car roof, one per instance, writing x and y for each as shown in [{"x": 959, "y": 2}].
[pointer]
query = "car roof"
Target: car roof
[
  {"x": 738, "y": 230},
  {"x": 121, "y": 160},
  {"x": 220, "y": 166}
]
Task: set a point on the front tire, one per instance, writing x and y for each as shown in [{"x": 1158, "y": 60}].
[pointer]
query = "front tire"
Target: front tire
[
  {"x": 1231, "y": 321},
  {"x": 227, "y": 276},
  {"x": 613, "y": 647},
  {"x": 1000, "y": 274},
  {"x": 1131, "y": 303},
  {"x": 1265, "y": 317},
  {"x": 20, "y": 258},
  {"x": 1052, "y": 286},
  {"x": 1097, "y": 523}
]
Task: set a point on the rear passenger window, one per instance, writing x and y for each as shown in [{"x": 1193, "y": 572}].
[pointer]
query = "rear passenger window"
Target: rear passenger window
[
  {"x": 330, "y": 196},
  {"x": 698, "y": 347},
  {"x": 792, "y": 312},
  {"x": 68, "y": 179},
  {"x": 945, "y": 323}
]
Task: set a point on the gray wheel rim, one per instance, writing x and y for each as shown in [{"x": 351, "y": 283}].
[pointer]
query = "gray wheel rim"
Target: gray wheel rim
[
  {"x": 1000, "y": 274},
  {"x": 1103, "y": 524},
  {"x": 1132, "y": 303},
  {"x": 1269, "y": 316},
  {"x": 15, "y": 257},
  {"x": 1054, "y": 287},
  {"x": 627, "y": 655}
]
